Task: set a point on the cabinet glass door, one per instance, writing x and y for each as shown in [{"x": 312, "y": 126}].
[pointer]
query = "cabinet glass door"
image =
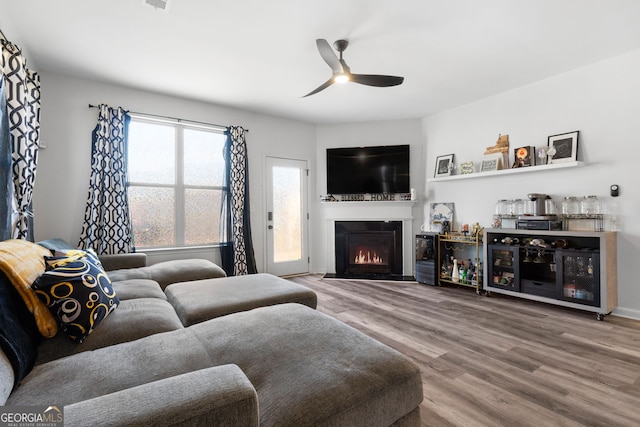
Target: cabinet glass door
[
  {"x": 503, "y": 267},
  {"x": 580, "y": 276}
]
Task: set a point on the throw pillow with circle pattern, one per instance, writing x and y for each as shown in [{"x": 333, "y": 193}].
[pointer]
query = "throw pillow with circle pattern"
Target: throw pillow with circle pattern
[{"x": 77, "y": 291}]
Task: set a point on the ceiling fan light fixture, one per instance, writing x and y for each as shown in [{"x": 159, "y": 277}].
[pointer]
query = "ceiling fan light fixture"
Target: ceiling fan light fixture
[
  {"x": 341, "y": 78},
  {"x": 162, "y": 5},
  {"x": 342, "y": 72}
]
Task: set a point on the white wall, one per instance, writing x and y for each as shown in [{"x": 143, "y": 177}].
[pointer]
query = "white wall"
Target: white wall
[
  {"x": 66, "y": 122},
  {"x": 602, "y": 101},
  {"x": 393, "y": 132}
]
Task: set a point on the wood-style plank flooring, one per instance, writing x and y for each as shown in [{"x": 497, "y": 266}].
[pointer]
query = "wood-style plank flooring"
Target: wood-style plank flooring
[{"x": 497, "y": 361}]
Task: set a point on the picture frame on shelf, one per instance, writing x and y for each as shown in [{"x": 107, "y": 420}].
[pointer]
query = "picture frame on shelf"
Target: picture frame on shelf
[
  {"x": 444, "y": 166},
  {"x": 491, "y": 164},
  {"x": 523, "y": 157},
  {"x": 563, "y": 147},
  {"x": 467, "y": 168}
]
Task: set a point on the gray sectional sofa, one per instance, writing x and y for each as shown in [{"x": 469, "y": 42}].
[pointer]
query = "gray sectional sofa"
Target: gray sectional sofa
[{"x": 270, "y": 362}]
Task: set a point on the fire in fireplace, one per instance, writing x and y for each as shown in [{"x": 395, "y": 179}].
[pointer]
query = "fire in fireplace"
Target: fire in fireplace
[
  {"x": 368, "y": 247},
  {"x": 367, "y": 258}
]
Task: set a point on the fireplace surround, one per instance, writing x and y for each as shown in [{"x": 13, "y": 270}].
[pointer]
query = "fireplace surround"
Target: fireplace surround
[
  {"x": 368, "y": 248},
  {"x": 378, "y": 210}
]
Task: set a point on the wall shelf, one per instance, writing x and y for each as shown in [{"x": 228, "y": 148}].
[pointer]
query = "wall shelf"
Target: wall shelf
[{"x": 539, "y": 168}]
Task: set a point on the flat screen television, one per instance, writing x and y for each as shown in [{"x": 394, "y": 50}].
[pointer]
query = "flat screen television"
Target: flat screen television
[{"x": 373, "y": 170}]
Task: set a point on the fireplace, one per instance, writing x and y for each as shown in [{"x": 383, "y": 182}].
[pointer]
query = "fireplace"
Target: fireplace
[{"x": 368, "y": 248}]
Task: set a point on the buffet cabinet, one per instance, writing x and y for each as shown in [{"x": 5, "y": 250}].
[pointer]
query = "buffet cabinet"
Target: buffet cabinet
[{"x": 571, "y": 269}]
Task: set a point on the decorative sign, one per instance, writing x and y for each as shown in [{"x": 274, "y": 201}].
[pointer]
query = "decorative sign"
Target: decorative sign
[
  {"x": 467, "y": 167},
  {"x": 382, "y": 197}
]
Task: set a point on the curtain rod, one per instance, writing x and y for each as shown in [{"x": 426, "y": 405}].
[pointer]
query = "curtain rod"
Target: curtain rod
[{"x": 175, "y": 118}]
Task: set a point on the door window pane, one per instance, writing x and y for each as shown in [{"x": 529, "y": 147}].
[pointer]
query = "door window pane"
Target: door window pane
[
  {"x": 152, "y": 213},
  {"x": 202, "y": 216},
  {"x": 287, "y": 214}
]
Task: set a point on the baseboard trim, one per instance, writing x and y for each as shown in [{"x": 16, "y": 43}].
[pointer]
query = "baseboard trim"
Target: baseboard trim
[
  {"x": 626, "y": 312},
  {"x": 386, "y": 277}
]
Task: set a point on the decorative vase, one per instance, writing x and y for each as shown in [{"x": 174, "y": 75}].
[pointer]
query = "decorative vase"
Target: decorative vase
[{"x": 455, "y": 274}]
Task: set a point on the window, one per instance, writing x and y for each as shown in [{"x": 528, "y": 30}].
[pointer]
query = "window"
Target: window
[{"x": 175, "y": 183}]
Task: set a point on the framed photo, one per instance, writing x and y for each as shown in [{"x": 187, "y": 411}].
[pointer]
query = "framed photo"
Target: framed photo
[
  {"x": 523, "y": 156},
  {"x": 492, "y": 164},
  {"x": 444, "y": 165},
  {"x": 441, "y": 216},
  {"x": 563, "y": 147}
]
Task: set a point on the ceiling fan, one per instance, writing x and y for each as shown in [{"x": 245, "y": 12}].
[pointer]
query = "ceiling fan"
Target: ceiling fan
[{"x": 342, "y": 72}]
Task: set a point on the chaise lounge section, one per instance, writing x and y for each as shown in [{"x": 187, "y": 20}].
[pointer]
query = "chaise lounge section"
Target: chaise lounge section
[{"x": 268, "y": 361}]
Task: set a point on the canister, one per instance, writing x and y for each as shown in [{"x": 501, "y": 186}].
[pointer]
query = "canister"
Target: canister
[
  {"x": 590, "y": 205},
  {"x": 570, "y": 206}
]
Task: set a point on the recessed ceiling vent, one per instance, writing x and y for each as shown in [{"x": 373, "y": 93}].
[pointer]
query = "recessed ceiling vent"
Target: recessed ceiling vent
[{"x": 158, "y": 4}]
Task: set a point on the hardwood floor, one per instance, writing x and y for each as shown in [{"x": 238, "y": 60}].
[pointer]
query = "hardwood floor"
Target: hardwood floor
[{"x": 497, "y": 361}]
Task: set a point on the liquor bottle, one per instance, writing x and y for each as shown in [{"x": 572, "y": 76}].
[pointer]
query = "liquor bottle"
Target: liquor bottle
[
  {"x": 455, "y": 273},
  {"x": 444, "y": 270}
]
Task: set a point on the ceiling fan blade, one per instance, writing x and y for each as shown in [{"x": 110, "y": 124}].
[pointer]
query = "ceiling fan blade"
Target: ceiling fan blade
[
  {"x": 329, "y": 55},
  {"x": 376, "y": 80},
  {"x": 323, "y": 86}
]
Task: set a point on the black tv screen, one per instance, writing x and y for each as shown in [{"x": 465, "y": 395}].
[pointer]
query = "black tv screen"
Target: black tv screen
[{"x": 374, "y": 170}]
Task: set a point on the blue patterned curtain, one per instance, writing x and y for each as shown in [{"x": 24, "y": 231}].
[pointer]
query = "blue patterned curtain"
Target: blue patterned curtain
[
  {"x": 237, "y": 248},
  {"x": 107, "y": 224},
  {"x": 22, "y": 97}
]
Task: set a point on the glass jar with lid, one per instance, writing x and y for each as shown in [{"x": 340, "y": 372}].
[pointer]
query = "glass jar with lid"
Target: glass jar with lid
[
  {"x": 518, "y": 207},
  {"x": 590, "y": 205},
  {"x": 570, "y": 206},
  {"x": 501, "y": 207}
]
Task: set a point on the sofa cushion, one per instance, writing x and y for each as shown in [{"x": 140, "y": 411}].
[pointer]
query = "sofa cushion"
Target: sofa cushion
[
  {"x": 77, "y": 291},
  {"x": 174, "y": 271},
  {"x": 110, "y": 369},
  {"x": 201, "y": 300},
  {"x": 134, "y": 319},
  {"x": 7, "y": 378},
  {"x": 138, "y": 288},
  {"x": 56, "y": 245},
  {"x": 119, "y": 261},
  {"x": 310, "y": 369},
  {"x": 216, "y": 396},
  {"x": 23, "y": 262}
]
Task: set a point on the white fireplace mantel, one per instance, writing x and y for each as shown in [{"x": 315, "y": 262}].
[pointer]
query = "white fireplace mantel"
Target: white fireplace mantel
[{"x": 371, "y": 211}]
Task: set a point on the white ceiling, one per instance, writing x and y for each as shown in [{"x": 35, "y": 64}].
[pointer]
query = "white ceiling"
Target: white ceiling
[{"x": 261, "y": 55}]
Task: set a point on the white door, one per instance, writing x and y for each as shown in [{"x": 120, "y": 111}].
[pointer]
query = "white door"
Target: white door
[{"x": 287, "y": 216}]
